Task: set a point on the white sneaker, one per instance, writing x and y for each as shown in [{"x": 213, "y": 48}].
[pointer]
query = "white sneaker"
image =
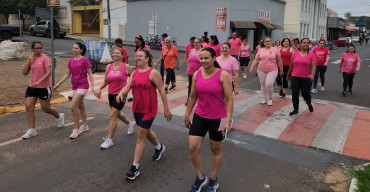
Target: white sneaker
[
  {"x": 269, "y": 102},
  {"x": 322, "y": 88},
  {"x": 75, "y": 134},
  {"x": 30, "y": 133},
  {"x": 107, "y": 143},
  {"x": 244, "y": 76},
  {"x": 60, "y": 121},
  {"x": 131, "y": 129},
  {"x": 83, "y": 128},
  {"x": 313, "y": 91},
  {"x": 263, "y": 102}
]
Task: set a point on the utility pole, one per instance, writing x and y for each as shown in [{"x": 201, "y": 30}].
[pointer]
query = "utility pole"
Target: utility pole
[{"x": 109, "y": 29}]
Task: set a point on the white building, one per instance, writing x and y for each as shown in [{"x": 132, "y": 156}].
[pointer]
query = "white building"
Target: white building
[{"x": 305, "y": 18}]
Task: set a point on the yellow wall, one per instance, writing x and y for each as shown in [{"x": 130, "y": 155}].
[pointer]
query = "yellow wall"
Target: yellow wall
[
  {"x": 77, "y": 17},
  {"x": 77, "y": 22}
]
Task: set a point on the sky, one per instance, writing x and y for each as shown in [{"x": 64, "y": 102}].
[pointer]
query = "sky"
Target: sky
[{"x": 356, "y": 7}]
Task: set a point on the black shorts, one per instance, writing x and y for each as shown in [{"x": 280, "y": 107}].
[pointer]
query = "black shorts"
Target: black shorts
[
  {"x": 143, "y": 124},
  {"x": 244, "y": 61},
  {"x": 201, "y": 125},
  {"x": 113, "y": 103},
  {"x": 41, "y": 93}
]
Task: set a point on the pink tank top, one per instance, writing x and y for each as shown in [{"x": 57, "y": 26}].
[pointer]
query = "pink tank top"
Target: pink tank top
[
  {"x": 145, "y": 93},
  {"x": 286, "y": 56},
  {"x": 194, "y": 63},
  {"x": 211, "y": 98},
  {"x": 116, "y": 79},
  {"x": 245, "y": 51}
]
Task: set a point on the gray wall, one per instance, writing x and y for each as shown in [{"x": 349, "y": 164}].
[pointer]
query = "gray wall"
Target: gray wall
[{"x": 185, "y": 18}]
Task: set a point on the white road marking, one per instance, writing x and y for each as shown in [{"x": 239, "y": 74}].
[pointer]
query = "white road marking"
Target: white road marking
[
  {"x": 336, "y": 62},
  {"x": 20, "y": 139}
]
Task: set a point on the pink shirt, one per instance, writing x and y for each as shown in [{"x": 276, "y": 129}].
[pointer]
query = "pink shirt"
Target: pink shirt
[
  {"x": 286, "y": 56},
  {"x": 245, "y": 51},
  {"x": 116, "y": 79},
  {"x": 267, "y": 58},
  {"x": 217, "y": 48},
  {"x": 193, "y": 63},
  {"x": 189, "y": 47},
  {"x": 79, "y": 72},
  {"x": 321, "y": 54},
  {"x": 204, "y": 45},
  {"x": 38, "y": 71},
  {"x": 235, "y": 46},
  {"x": 139, "y": 48},
  {"x": 302, "y": 65},
  {"x": 229, "y": 65},
  {"x": 211, "y": 98},
  {"x": 350, "y": 62},
  {"x": 125, "y": 54}
]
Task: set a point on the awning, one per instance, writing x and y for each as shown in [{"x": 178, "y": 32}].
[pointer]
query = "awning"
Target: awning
[
  {"x": 268, "y": 25},
  {"x": 278, "y": 26},
  {"x": 242, "y": 24}
]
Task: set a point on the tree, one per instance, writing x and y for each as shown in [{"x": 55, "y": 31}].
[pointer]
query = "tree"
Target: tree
[
  {"x": 348, "y": 15},
  {"x": 8, "y": 7},
  {"x": 27, "y": 7}
]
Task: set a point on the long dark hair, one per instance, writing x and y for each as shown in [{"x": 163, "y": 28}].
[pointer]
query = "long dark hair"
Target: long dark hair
[
  {"x": 263, "y": 45},
  {"x": 215, "y": 39},
  {"x": 140, "y": 38},
  {"x": 308, "y": 50},
  {"x": 213, "y": 54},
  {"x": 148, "y": 54},
  {"x": 282, "y": 41},
  {"x": 351, "y": 45},
  {"x": 81, "y": 46}
]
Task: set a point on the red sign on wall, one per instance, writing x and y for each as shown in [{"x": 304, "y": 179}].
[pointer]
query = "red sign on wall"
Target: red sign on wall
[
  {"x": 52, "y": 3},
  {"x": 221, "y": 15},
  {"x": 263, "y": 16}
]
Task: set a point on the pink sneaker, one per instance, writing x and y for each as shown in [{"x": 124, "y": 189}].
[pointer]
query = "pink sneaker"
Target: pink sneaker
[
  {"x": 75, "y": 134},
  {"x": 83, "y": 128}
]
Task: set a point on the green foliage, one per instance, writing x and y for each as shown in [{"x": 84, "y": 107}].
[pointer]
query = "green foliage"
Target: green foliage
[{"x": 363, "y": 177}]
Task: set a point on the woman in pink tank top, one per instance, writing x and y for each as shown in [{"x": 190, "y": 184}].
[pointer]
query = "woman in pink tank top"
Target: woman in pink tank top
[
  {"x": 193, "y": 62},
  {"x": 116, "y": 78},
  {"x": 286, "y": 53},
  {"x": 144, "y": 83},
  {"x": 212, "y": 89}
]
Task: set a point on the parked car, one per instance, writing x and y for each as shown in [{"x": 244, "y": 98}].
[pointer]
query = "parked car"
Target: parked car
[
  {"x": 63, "y": 32},
  {"x": 10, "y": 31},
  {"x": 355, "y": 39},
  {"x": 348, "y": 40},
  {"x": 43, "y": 27}
]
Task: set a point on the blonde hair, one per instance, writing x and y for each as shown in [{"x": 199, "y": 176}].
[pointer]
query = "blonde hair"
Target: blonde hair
[{"x": 120, "y": 50}]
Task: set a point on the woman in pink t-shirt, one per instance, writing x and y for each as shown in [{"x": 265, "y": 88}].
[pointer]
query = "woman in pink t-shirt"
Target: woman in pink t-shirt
[
  {"x": 268, "y": 60},
  {"x": 211, "y": 89},
  {"x": 116, "y": 75},
  {"x": 80, "y": 68},
  {"x": 244, "y": 57},
  {"x": 193, "y": 63},
  {"x": 119, "y": 44},
  {"x": 349, "y": 65},
  {"x": 229, "y": 64},
  {"x": 39, "y": 87},
  {"x": 214, "y": 44},
  {"x": 322, "y": 56},
  {"x": 302, "y": 69}
]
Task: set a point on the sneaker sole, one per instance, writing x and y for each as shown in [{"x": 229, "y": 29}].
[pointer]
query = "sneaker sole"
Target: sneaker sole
[
  {"x": 160, "y": 155},
  {"x": 29, "y": 136},
  {"x": 133, "y": 178},
  {"x": 102, "y": 148}
]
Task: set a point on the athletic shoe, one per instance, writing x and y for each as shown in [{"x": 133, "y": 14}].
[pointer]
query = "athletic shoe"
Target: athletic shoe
[
  {"x": 61, "y": 120},
  {"x": 30, "y": 133},
  {"x": 313, "y": 91},
  {"x": 281, "y": 92},
  {"x": 344, "y": 94},
  {"x": 158, "y": 153},
  {"x": 244, "y": 76},
  {"x": 310, "y": 107},
  {"x": 322, "y": 88},
  {"x": 131, "y": 129},
  {"x": 83, "y": 128},
  {"x": 198, "y": 184},
  {"x": 283, "y": 95},
  {"x": 212, "y": 185},
  {"x": 132, "y": 173},
  {"x": 166, "y": 90},
  {"x": 173, "y": 87},
  {"x": 106, "y": 143},
  {"x": 75, "y": 134},
  {"x": 130, "y": 99},
  {"x": 295, "y": 112},
  {"x": 269, "y": 103},
  {"x": 263, "y": 102},
  {"x": 349, "y": 92}
]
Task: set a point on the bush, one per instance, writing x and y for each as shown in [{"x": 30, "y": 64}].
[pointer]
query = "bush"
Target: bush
[{"x": 363, "y": 178}]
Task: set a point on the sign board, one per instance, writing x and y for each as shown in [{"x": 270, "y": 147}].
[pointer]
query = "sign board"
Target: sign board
[
  {"x": 263, "y": 16},
  {"x": 154, "y": 16},
  {"x": 52, "y": 3},
  {"x": 42, "y": 12},
  {"x": 221, "y": 16}
]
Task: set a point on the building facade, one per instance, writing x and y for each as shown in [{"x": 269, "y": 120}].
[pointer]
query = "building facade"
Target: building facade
[
  {"x": 305, "y": 18},
  {"x": 181, "y": 19}
]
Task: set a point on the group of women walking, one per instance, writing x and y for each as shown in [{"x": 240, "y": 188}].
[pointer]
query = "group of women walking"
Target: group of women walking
[{"x": 213, "y": 75}]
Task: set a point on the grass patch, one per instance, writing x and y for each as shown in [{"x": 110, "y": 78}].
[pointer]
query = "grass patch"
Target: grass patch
[{"x": 363, "y": 178}]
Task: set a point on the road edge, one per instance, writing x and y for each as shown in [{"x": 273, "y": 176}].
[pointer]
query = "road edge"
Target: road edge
[{"x": 6, "y": 110}]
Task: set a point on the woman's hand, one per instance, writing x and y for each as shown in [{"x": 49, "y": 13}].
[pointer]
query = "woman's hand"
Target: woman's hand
[
  {"x": 167, "y": 115},
  {"x": 55, "y": 87},
  {"x": 98, "y": 93},
  {"x": 236, "y": 92},
  {"x": 281, "y": 73},
  {"x": 177, "y": 67},
  {"x": 35, "y": 84},
  {"x": 311, "y": 77},
  {"x": 227, "y": 127},
  {"x": 187, "y": 121},
  {"x": 251, "y": 70},
  {"x": 339, "y": 70},
  {"x": 119, "y": 98}
]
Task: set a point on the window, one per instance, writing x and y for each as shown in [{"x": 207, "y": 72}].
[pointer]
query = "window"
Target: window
[
  {"x": 301, "y": 30},
  {"x": 302, "y": 4}
]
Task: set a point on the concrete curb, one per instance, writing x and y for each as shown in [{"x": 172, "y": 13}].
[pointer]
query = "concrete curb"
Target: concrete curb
[
  {"x": 353, "y": 185},
  {"x": 5, "y": 110}
]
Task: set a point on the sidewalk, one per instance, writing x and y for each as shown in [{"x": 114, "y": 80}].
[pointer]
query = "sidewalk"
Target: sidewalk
[{"x": 336, "y": 127}]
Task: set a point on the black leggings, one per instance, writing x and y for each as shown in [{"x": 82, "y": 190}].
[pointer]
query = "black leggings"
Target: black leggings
[
  {"x": 321, "y": 70},
  {"x": 348, "y": 80},
  {"x": 170, "y": 76},
  {"x": 303, "y": 85},
  {"x": 190, "y": 77},
  {"x": 278, "y": 78}
]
